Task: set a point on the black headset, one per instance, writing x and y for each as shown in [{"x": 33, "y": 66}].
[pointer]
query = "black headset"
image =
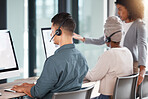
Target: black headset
[
  {"x": 58, "y": 32},
  {"x": 108, "y": 39}
]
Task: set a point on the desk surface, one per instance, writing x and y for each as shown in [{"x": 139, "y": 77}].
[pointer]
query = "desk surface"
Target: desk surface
[{"x": 6, "y": 95}]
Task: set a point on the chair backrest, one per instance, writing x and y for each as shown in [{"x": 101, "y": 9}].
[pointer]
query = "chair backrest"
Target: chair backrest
[
  {"x": 84, "y": 93},
  {"x": 125, "y": 87},
  {"x": 143, "y": 88}
]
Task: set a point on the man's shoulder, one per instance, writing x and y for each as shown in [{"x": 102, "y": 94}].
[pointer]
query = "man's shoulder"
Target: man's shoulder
[
  {"x": 64, "y": 54},
  {"x": 50, "y": 59}
]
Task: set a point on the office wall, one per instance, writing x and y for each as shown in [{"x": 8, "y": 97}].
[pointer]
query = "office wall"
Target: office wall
[
  {"x": 112, "y": 7},
  {"x": 45, "y": 10},
  {"x": 15, "y": 23},
  {"x": 92, "y": 15},
  {"x": 17, "y": 16}
]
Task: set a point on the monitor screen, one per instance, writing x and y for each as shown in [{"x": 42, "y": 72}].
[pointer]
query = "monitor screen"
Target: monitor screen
[
  {"x": 8, "y": 62},
  {"x": 49, "y": 47}
]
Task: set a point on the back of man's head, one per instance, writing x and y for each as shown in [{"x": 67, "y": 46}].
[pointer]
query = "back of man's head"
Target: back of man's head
[{"x": 65, "y": 21}]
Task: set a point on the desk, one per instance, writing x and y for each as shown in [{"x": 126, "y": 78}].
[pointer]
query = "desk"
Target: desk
[{"x": 6, "y": 95}]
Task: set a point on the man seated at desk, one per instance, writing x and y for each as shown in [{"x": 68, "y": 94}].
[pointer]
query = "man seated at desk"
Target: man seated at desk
[
  {"x": 63, "y": 71},
  {"x": 113, "y": 63}
]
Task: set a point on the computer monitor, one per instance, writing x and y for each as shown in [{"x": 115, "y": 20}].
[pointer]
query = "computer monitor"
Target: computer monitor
[
  {"x": 49, "y": 47},
  {"x": 8, "y": 62}
]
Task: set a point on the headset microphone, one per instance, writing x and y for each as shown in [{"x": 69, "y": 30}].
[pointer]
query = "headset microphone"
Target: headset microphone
[
  {"x": 52, "y": 37},
  {"x": 58, "y": 32}
]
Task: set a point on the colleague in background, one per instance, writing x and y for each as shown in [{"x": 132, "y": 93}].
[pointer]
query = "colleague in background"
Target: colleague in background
[
  {"x": 131, "y": 12},
  {"x": 113, "y": 63},
  {"x": 63, "y": 71}
]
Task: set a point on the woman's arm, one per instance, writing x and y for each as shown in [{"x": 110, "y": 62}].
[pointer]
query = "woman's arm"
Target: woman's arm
[
  {"x": 142, "y": 50},
  {"x": 99, "y": 41}
]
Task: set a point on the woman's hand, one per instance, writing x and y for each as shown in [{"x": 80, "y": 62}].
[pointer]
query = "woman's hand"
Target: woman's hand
[
  {"x": 78, "y": 37},
  {"x": 141, "y": 75}
]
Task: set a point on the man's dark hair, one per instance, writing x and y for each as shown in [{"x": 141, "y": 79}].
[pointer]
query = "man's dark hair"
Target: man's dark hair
[
  {"x": 135, "y": 8},
  {"x": 69, "y": 23}
]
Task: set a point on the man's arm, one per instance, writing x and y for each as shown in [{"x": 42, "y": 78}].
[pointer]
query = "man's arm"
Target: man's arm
[
  {"x": 45, "y": 83},
  {"x": 27, "y": 90},
  {"x": 47, "y": 80}
]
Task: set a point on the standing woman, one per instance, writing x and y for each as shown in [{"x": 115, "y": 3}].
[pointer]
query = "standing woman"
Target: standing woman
[
  {"x": 131, "y": 13},
  {"x": 134, "y": 38}
]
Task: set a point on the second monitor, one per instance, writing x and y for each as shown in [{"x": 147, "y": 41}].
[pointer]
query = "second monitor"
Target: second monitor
[{"x": 49, "y": 47}]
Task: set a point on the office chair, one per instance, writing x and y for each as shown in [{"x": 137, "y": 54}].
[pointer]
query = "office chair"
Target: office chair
[
  {"x": 83, "y": 93},
  {"x": 143, "y": 88},
  {"x": 125, "y": 87}
]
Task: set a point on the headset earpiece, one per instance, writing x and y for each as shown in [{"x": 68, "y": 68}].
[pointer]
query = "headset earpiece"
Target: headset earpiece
[
  {"x": 108, "y": 39},
  {"x": 58, "y": 32}
]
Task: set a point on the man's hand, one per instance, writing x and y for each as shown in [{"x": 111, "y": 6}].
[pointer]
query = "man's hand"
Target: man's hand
[
  {"x": 24, "y": 88},
  {"x": 17, "y": 88},
  {"x": 141, "y": 75}
]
